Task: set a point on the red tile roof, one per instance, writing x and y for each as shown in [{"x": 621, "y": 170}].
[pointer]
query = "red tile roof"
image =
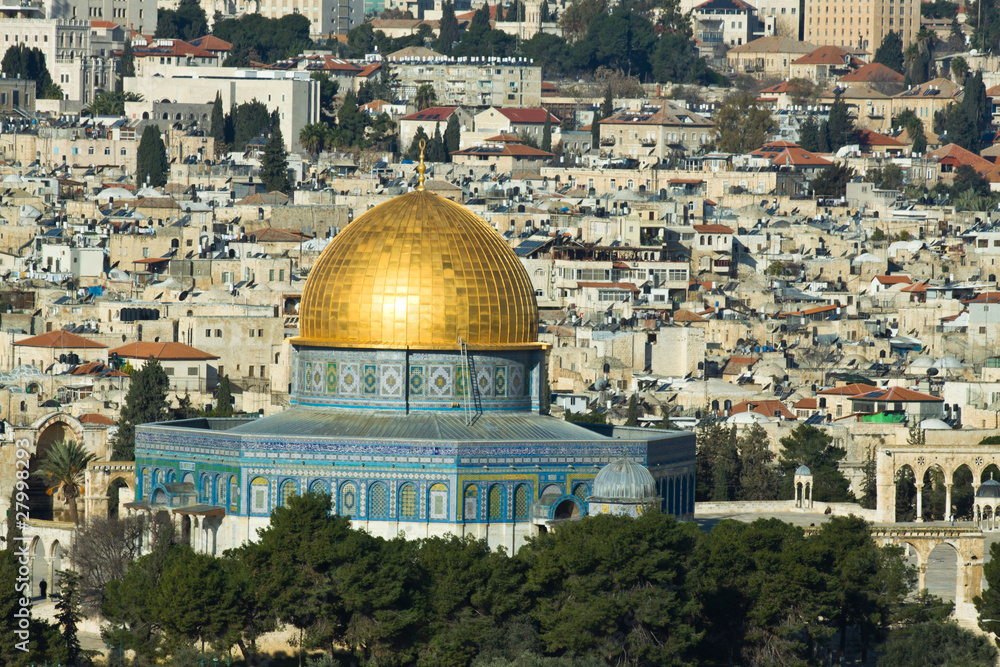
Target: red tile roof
[
  {"x": 712, "y": 229},
  {"x": 899, "y": 394},
  {"x": 61, "y": 340},
  {"x": 527, "y": 116},
  {"x": 956, "y": 156},
  {"x": 848, "y": 390},
  {"x": 432, "y": 114},
  {"x": 505, "y": 149},
  {"x": 768, "y": 408},
  {"x": 873, "y": 73},
  {"x": 872, "y": 138},
  {"x": 212, "y": 43},
  {"x": 103, "y": 24},
  {"x": 893, "y": 280},
  {"x": 162, "y": 351},
  {"x": 828, "y": 55},
  {"x": 806, "y": 404},
  {"x": 94, "y": 418}
]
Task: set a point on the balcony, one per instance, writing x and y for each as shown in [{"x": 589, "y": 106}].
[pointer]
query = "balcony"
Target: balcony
[
  {"x": 610, "y": 141},
  {"x": 648, "y": 142}
]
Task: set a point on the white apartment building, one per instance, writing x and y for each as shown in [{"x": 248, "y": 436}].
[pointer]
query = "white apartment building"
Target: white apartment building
[
  {"x": 69, "y": 55},
  {"x": 473, "y": 82},
  {"x": 326, "y": 17},
  {"x": 292, "y": 93},
  {"x": 139, "y": 15}
]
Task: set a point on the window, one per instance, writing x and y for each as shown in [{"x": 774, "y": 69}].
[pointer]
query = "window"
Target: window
[
  {"x": 208, "y": 333},
  {"x": 260, "y": 333},
  {"x": 270, "y": 274},
  {"x": 218, "y": 333},
  {"x": 192, "y": 370},
  {"x": 438, "y": 497},
  {"x": 348, "y": 499},
  {"x": 378, "y": 501},
  {"x": 123, "y": 152},
  {"x": 408, "y": 502},
  {"x": 521, "y": 502},
  {"x": 471, "y": 508},
  {"x": 258, "y": 496},
  {"x": 495, "y": 507}
]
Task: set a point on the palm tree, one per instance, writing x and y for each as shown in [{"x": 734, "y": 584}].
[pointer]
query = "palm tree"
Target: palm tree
[
  {"x": 426, "y": 97},
  {"x": 111, "y": 103},
  {"x": 314, "y": 138},
  {"x": 62, "y": 469}
]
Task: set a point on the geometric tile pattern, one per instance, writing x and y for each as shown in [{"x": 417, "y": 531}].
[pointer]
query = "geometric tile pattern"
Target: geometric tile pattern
[
  {"x": 350, "y": 379},
  {"x": 392, "y": 381},
  {"x": 331, "y": 378},
  {"x": 484, "y": 380},
  {"x": 500, "y": 381},
  {"x": 369, "y": 380},
  {"x": 418, "y": 381},
  {"x": 439, "y": 381},
  {"x": 515, "y": 381}
]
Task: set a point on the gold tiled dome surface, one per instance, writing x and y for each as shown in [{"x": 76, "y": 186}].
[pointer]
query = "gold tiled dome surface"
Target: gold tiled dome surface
[{"x": 417, "y": 272}]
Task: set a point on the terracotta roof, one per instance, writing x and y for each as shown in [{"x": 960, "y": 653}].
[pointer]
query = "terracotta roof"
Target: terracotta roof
[
  {"x": 768, "y": 408},
  {"x": 776, "y": 89},
  {"x": 774, "y": 44},
  {"x": 900, "y": 394},
  {"x": 956, "y": 156},
  {"x": 806, "y": 404},
  {"x": 712, "y": 229},
  {"x": 212, "y": 43},
  {"x": 60, "y": 339},
  {"x": 893, "y": 280},
  {"x": 432, "y": 114},
  {"x": 853, "y": 389},
  {"x": 94, "y": 418},
  {"x": 687, "y": 316},
  {"x": 97, "y": 368},
  {"x": 103, "y": 24},
  {"x": 811, "y": 311},
  {"x": 369, "y": 69},
  {"x": 944, "y": 89},
  {"x": 828, "y": 55},
  {"x": 507, "y": 139},
  {"x": 873, "y": 73},
  {"x": 783, "y": 153},
  {"x": 873, "y": 138},
  {"x": 162, "y": 351},
  {"x": 531, "y": 116},
  {"x": 176, "y": 48},
  {"x": 504, "y": 149}
]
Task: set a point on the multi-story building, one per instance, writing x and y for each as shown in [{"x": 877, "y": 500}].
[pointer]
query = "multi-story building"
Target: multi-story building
[
  {"x": 740, "y": 23},
  {"x": 659, "y": 131},
  {"x": 16, "y": 94},
  {"x": 863, "y": 24},
  {"x": 139, "y": 15},
  {"x": 293, "y": 94},
  {"x": 69, "y": 57},
  {"x": 767, "y": 56},
  {"x": 326, "y": 17},
  {"x": 473, "y": 82}
]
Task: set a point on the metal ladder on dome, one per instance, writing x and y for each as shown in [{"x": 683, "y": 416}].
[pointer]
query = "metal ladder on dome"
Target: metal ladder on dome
[{"x": 473, "y": 401}]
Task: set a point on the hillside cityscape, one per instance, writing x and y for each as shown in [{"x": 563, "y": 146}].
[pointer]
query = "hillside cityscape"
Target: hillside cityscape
[{"x": 545, "y": 333}]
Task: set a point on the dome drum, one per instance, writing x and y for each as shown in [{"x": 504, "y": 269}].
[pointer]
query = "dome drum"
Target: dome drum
[{"x": 416, "y": 380}]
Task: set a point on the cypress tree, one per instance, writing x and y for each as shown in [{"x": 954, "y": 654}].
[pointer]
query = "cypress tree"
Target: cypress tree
[
  {"x": 151, "y": 165},
  {"x": 218, "y": 123},
  {"x": 68, "y": 616},
  {"x": 452, "y": 136},
  {"x": 632, "y": 416},
  {"x": 447, "y": 29},
  {"x": 146, "y": 402},
  {"x": 127, "y": 64},
  {"x": 274, "y": 164},
  {"x": 595, "y": 130},
  {"x": 547, "y": 133},
  {"x": 224, "y": 399}
]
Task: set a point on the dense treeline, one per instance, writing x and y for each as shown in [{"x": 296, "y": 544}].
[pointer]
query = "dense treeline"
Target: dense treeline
[{"x": 603, "y": 590}]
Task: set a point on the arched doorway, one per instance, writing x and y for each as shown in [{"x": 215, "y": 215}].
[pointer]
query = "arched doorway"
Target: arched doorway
[
  {"x": 941, "y": 577},
  {"x": 990, "y": 472},
  {"x": 933, "y": 495},
  {"x": 41, "y": 504},
  {"x": 567, "y": 509},
  {"x": 906, "y": 494},
  {"x": 39, "y": 568},
  {"x": 962, "y": 497},
  {"x": 56, "y": 565},
  {"x": 114, "y": 499}
]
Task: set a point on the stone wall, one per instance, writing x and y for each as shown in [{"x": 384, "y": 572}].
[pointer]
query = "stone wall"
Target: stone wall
[{"x": 782, "y": 506}]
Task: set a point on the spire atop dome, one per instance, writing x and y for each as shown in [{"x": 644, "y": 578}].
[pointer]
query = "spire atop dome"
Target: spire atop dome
[{"x": 420, "y": 167}]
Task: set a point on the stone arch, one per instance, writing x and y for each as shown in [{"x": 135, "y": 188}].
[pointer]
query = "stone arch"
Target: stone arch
[
  {"x": 521, "y": 507},
  {"x": 933, "y": 496},
  {"x": 117, "y": 483},
  {"x": 568, "y": 507},
  {"x": 906, "y": 493},
  {"x": 962, "y": 494},
  {"x": 550, "y": 490},
  {"x": 437, "y": 502},
  {"x": 39, "y": 566},
  {"x": 581, "y": 490},
  {"x": 942, "y": 570},
  {"x": 259, "y": 495},
  {"x": 320, "y": 487},
  {"x": 48, "y": 430},
  {"x": 990, "y": 471}
]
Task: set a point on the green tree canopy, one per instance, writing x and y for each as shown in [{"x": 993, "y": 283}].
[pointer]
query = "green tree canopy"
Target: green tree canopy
[
  {"x": 936, "y": 644},
  {"x": 743, "y": 124},
  {"x": 151, "y": 164},
  {"x": 255, "y": 37},
  {"x": 24, "y": 62},
  {"x": 187, "y": 22},
  {"x": 448, "y": 34},
  {"x": 890, "y": 52},
  {"x": 111, "y": 103},
  {"x": 63, "y": 469},
  {"x": 145, "y": 402},
  {"x": 832, "y": 181},
  {"x": 274, "y": 164},
  {"x": 813, "y": 448},
  {"x": 218, "y": 123}
]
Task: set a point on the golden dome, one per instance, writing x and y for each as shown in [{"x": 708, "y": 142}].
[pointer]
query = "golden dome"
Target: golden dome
[{"x": 417, "y": 272}]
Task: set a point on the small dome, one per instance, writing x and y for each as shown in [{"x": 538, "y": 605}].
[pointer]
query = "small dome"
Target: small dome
[
  {"x": 934, "y": 425},
  {"x": 748, "y": 417},
  {"x": 989, "y": 489},
  {"x": 948, "y": 362},
  {"x": 922, "y": 361},
  {"x": 803, "y": 470},
  {"x": 624, "y": 480}
]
